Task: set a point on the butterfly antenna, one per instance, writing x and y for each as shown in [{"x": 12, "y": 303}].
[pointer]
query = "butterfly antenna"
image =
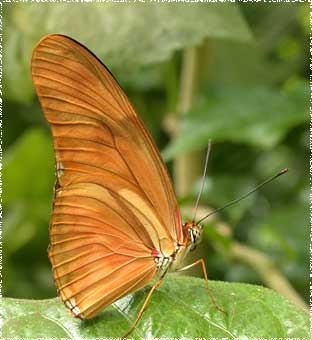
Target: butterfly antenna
[
  {"x": 203, "y": 178},
  {"x": 282, "y": 172}
]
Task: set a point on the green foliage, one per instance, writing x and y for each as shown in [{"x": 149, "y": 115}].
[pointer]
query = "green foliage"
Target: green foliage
[
  {"x": 180, "y": 307},
  {"x": 131, "y": 35},
  {"x": 288, "y": 249},
  {"x": 218, "y": 196},
  {"x": 28, "y": 183},
  {"x": 257, "y": 116}
]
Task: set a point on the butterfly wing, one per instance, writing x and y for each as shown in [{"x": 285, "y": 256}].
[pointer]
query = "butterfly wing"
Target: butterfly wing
[{"x": 114, "y": 202}]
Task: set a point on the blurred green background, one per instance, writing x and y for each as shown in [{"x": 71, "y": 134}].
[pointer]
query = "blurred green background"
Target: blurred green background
[{"x": 237, "y": 74}]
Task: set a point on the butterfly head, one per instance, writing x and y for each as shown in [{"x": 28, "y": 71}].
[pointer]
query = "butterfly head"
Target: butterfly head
[{"x": 192, "y": 234}]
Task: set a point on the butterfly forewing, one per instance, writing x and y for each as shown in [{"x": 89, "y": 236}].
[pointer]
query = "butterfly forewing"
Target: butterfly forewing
[{"x": 114, "y": 203}]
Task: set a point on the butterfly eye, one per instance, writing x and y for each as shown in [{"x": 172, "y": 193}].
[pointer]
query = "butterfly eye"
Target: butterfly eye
[{"x": 195, "y": 233}]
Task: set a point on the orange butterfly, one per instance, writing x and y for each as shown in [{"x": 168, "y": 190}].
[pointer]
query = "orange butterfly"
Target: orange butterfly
[{"x": 115, "y": 223}]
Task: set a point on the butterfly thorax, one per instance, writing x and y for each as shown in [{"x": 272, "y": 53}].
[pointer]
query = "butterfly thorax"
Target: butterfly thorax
[{"x": 192, "y": 235}]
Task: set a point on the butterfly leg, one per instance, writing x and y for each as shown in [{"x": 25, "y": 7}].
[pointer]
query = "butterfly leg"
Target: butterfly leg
[
  {"x": 150, "y": 293},
  {"x": 202, "y": 263}
]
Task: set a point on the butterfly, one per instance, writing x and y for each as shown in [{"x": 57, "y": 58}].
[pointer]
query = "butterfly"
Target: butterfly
[{"x": 115, "y": 220}]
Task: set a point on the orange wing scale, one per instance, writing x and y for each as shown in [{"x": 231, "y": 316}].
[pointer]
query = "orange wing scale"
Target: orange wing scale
[{"x": 114, "y": 203}]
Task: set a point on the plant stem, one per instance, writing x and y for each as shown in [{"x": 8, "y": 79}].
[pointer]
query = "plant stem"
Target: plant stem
[
  {"x": 187, "y": 167},
  {"x": 188, "y": 78},
  {"x": 269, "y": 274}
]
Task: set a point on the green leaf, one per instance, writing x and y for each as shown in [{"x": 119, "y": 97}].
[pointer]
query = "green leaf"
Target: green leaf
[
  {"x": 28, "y": 178},
  {"x": 28, "y": 183},
  {"x": 257, "y": 116},
  {"x": 126, "y": 36},
  {"x": 32, "y": 153},
  {"x": 180, "y": 307}
]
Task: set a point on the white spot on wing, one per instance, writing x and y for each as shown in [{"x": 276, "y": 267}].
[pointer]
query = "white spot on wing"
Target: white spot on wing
[
  {"x": 71, "y": 303},
  {"x": 76, "y": 310},
  {"x": 59, "y": 169}
]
